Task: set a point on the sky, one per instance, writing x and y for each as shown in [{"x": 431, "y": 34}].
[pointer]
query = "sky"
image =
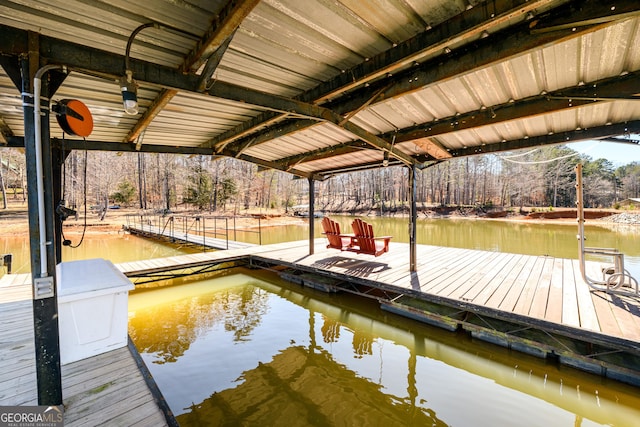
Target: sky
[{"x": 616, "y": 153}]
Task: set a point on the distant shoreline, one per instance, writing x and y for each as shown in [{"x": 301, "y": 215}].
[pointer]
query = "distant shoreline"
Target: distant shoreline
[{"x": 14, "y": 221}]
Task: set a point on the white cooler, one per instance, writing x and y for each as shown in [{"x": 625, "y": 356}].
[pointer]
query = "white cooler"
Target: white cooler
[{"x": 92, "y": 308}]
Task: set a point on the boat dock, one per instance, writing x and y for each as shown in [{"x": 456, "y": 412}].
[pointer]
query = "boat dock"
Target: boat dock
[
  {"x": 534, "y": 304},
  {"x": 539, "y": 305}
]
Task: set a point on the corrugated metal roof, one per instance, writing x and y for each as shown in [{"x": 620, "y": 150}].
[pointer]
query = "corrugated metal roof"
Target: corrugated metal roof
[{"x": 345, "y": 50}]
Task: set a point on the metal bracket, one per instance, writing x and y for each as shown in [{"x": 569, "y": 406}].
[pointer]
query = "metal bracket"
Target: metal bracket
[{"x": 43, "y": 287}]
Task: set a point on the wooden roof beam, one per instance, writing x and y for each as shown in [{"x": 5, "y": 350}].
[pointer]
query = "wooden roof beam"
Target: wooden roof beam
[
  {"x": 226, "y": 24},
  {"x": 487, "y": 52},
  {"x": 323, "y": 153},
  {"x": 599, "y": 132},
  {"x": 5, "y": 132},
  {"x": 209, "y": 49},
  {"x": 468, "y": 26},
  {"x": 74, "y": 144}
]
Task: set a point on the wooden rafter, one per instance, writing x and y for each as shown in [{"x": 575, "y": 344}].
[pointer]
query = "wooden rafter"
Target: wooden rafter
[
  {"x": 209, "y": 49},
  {"x": 432, "y": 72}
]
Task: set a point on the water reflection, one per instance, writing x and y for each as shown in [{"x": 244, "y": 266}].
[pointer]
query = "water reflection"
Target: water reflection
[{"x": 246, "y": 349}]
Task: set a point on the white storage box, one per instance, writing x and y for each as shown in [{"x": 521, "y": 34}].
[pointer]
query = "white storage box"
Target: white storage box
[{"x": 92, "y": 308}]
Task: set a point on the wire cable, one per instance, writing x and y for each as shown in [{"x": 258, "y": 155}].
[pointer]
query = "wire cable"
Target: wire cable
[{"x": 65, "y": 241}]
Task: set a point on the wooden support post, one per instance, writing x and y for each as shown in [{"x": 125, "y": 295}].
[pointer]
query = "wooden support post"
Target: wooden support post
[
  {"x": 413, "y": 218},
  {"x": 312, "y": 202},
  {"x": 45, "y": 308}
]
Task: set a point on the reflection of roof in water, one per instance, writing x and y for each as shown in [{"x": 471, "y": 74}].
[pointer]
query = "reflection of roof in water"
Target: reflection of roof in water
[{"x": 303, "y": 387}]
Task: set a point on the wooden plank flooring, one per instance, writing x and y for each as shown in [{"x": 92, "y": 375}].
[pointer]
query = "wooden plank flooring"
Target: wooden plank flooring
[
  {"x": 529, "y": 288},
  {"x": 107, "y": 389},
  {"x": 537, "y": 287}
]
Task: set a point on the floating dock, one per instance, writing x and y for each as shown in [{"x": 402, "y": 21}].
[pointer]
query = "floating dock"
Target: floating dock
[
  {"x": 197, "y": 238},
  {"x": 534, "y": 304}
]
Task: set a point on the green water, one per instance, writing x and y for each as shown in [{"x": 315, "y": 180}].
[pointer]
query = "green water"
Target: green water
[
  {"x": 247, "y": 349},
  {"x": 116, "y": 247}
]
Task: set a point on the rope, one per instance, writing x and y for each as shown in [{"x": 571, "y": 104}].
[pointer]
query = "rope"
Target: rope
[{"x": 536, "y": 162}]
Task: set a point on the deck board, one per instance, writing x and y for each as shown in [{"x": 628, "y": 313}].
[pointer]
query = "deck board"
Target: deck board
[
  {"x": 538, "y": 288},
  {"x": 507, "y": 298},
  {"x": 553, "y": 311},
  {"x": 107, "y": 389},
  {"x": 570, "y": 309}
]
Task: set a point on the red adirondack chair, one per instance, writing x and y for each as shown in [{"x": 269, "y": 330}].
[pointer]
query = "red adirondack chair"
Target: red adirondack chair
[
  {"x": 336, "y": 239},
  {"x": 366, "y": 242}
]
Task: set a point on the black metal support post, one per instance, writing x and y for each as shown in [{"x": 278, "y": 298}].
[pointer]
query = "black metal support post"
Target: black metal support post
[
  {"x": 45, "y": 306},
  {"x": 312, "y": 214},
  {"x": 413, "y": 218}
]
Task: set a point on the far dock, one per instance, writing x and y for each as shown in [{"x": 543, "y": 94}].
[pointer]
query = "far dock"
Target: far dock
[{"x": 200, "y": 231}]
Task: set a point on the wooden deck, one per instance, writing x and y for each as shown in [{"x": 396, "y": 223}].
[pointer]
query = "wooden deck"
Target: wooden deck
[
  {"x": 543, "y": 290},
  {"x": 539, "y": 288},
  {"x": 107, "y": 389},
  {"x": 535, "y": 304}
]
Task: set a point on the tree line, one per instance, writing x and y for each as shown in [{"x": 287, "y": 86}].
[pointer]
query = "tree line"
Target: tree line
[{"x": 540, "y": 177}]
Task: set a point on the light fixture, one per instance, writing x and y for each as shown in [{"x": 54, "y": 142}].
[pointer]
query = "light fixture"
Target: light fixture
[
  {"x": 385, "y": 159},
  {"x": 129, "y": 89},
  {"x": 128, "y": 85}
]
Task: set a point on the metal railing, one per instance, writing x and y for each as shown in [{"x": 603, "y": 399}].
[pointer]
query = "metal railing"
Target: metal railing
[
  {"x": 192, "y": 228},
  {"x": 615, "y": 279}
]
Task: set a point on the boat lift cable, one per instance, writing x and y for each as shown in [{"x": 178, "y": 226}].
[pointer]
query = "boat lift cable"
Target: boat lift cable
[
  {"x": 537, "y": 162},
  {"x": 615, "y": 279}
]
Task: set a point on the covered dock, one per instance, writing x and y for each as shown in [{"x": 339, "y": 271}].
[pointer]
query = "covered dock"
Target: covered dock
[{"x": 315, "y": 89}]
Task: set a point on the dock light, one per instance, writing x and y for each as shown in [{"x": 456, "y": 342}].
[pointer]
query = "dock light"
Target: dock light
[
  {"x": 129, "y": 89},
  {"x": 128, "y": 85}
]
